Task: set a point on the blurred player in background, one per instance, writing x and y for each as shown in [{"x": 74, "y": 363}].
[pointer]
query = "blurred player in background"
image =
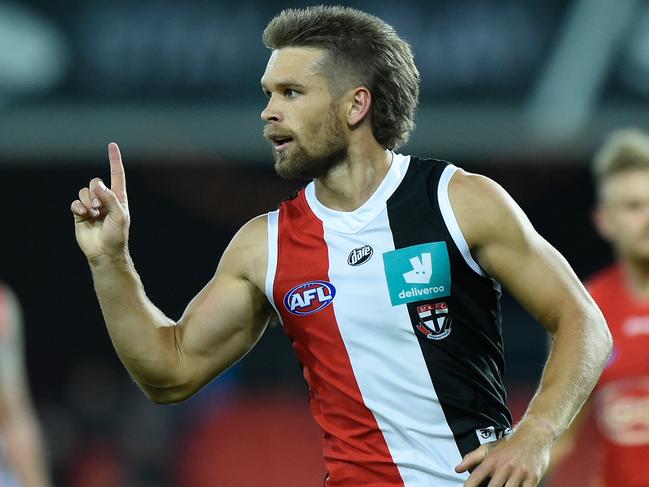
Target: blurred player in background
[
  {"x": 385, "y": 271},
  {"x": 609, "y": 442},
  {"x": 21, "y": 447}
]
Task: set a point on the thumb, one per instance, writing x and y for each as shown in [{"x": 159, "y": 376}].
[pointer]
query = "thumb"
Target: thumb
[
  {"x": 472, "y": 459},
  {"x": 107, "y": 197}
]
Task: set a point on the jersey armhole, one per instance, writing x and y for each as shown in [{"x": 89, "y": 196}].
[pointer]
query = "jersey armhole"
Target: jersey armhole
[
  {"x": 451, "y": 222},
  {"x": 271, "y": 267}
]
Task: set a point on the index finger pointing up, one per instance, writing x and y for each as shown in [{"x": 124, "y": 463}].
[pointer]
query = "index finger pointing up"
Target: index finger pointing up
[{"x": 117, "y": 174}]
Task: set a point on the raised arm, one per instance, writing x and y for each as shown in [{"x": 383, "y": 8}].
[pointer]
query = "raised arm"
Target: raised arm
[
  {"x": 170, "y": 360},
  {"x": 18, "y": 424},
  {"x": 506, "y": 245}
]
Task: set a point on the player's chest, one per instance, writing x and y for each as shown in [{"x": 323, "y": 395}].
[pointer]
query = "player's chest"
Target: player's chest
[{"x": 365, "y": 274}]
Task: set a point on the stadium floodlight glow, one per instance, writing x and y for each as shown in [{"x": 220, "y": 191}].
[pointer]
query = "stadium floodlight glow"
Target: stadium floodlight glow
[{"x": 33, "y": 53}]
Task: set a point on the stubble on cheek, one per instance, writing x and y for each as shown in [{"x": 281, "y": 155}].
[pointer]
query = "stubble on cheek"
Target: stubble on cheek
[{"x": 327, "y": 150}]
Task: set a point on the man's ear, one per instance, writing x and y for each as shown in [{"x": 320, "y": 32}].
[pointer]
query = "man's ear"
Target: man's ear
[{"x": 360, "y": 101}]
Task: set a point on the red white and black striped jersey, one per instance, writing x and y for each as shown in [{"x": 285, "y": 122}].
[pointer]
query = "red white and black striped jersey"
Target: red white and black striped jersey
[{"x": 396, "y": 327}]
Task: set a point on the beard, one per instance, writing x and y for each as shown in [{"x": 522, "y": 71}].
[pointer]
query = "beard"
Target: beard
[{"x": 329, "y": 150}]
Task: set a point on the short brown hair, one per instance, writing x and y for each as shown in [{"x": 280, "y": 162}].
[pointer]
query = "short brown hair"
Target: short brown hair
[
  {"x": 624, "y": 150},
  {"x": 362, "y": 50}
]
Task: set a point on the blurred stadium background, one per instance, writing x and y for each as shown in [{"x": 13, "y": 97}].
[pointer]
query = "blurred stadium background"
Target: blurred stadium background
[{"x": 521, "y": 91}]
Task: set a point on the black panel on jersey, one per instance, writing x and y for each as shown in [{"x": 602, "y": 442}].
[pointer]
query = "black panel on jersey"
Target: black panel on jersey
[{"x": 466, "y": 367}]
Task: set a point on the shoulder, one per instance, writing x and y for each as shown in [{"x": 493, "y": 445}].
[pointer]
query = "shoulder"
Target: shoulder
[
  {"x": 251, "y": 239},
  {"x": 254, "y": 228},
  {"x": 478, "y": 191},
  {"x": 9, "y": 310},
  {"x": 8, "y": 299},
  {"x": 246, "y": 255},
  {"x": 483, "y": 208}
]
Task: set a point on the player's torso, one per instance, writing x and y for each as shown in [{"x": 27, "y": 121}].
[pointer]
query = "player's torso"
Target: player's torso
[
  {"x": 397, "y": 334},
  {"x": 621, "y": 399}
]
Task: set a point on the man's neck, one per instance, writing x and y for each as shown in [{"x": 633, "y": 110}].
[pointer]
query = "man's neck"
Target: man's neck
[
  {"x": 352, "y": 183},
  {"x": 636, "y": 276}
]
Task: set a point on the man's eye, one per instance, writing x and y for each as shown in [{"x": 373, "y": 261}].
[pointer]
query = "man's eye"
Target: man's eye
[{"x": 290, "y": 93}]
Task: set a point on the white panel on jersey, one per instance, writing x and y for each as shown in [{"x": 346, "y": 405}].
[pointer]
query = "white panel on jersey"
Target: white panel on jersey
[
  {"x": 271, "y": 267},
  {"x": 352, "y": 222},
  {"x": 451, "y": 222},
  {"x": 388, "y": 363}
]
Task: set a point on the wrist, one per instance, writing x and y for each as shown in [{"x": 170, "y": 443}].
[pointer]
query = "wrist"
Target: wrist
[
  {"x": 119, "y": 258},
  {"x": 538, "y": 427}
]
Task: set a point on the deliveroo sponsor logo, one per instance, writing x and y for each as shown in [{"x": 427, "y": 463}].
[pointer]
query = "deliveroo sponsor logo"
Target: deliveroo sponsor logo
[{"x": 418, "y": 273}]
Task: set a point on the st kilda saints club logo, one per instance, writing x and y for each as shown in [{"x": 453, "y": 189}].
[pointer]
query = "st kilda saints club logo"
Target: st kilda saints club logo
[
  {"x": 309, "y": 297},
  {"x": 434, "y": 320},
  {"x": 360, "y": 255}
]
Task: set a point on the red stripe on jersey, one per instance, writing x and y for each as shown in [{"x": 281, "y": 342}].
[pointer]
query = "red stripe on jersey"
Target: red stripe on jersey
[{"x": 354, "y": 448}]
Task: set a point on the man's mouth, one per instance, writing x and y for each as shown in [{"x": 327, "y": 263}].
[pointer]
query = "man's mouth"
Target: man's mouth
[
  {"x": 279, "y": 141},
  {"x": 282, "y": 143}
]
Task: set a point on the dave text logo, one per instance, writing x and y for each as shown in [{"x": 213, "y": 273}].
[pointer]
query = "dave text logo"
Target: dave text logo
[
  {"x": 360, "y": 256},
  {"x": 309, "y": 297},
  {"x": 417, "y": 273}
]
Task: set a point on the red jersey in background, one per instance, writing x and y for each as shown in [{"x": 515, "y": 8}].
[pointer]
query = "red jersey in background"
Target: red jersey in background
[
  {"x": 621, "y": 398},
  {"x": 619, "y": 420}
]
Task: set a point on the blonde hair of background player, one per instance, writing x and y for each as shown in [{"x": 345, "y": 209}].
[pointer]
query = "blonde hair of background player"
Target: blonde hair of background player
[
  {"x": 19, "y": 427},
  {"x": 624, "y": 150}
]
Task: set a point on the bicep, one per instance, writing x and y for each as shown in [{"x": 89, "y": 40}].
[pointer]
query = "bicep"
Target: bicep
[
  {"x": 221, "y": 324},
  {"x": 537, "y": 275},
  {"x": 227, "y": 317},
  {"x": 508, "y": 247}
]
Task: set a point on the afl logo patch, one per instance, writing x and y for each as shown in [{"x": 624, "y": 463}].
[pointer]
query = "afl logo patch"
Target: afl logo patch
[
  {"x": 360, "y": 255},
  {"x": 309, "y": 297}
]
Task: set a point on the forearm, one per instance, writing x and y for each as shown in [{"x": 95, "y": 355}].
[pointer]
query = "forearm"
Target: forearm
[
  {"x": 25, "y": 449},
  {"x": 141, "y": 334},
  {"x": 581, "y": 346}
]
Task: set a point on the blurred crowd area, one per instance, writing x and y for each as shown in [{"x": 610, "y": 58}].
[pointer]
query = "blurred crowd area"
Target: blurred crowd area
[
  {"x": 521, "y": 91},
  {"x": 159, "y": 49}
]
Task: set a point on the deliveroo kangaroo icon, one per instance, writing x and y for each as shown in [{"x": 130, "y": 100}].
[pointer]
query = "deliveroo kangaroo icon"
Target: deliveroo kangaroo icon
[{"x": 422, "y": 270}]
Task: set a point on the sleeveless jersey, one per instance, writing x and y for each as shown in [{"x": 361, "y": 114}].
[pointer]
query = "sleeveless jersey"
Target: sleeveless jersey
[
  {"x": 396, "y": 327},
  {"x": 621, "y": 398}
]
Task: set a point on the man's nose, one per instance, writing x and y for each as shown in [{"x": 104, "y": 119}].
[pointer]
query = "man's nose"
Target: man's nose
[{"x": 272, "y": 112}]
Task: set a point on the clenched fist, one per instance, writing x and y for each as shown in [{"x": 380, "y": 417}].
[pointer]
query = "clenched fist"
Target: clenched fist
[{"x": 101, "y": 217}]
